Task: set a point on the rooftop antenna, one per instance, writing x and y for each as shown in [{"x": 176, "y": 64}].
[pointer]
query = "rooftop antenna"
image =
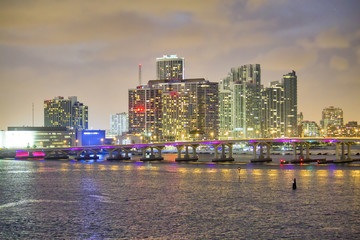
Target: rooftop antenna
[
  {"x": 33, "y": 114},
  {"x": 140, "y": 74}
]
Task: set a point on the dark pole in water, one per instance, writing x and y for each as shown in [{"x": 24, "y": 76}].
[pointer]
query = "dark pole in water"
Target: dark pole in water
[{"x": 294, "y": 184}]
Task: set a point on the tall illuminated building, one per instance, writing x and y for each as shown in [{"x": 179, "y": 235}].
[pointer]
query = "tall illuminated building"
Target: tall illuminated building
[
  {"x": 189, "y": 107},
  {"x": 332, "y": 117},
  {"x": 289, "y": 82},
  {"x": 181, "y": 109},
  {"x": 70, "y": 113},
  {"x": 119, "y": 123},
  {"x": 145, "y": 112},
  {"x": 170, "y": 67},
  {"x": 240, "y": 103},
  {"x": 279, "y": 108},
  {"x": 273, "y": 110}
]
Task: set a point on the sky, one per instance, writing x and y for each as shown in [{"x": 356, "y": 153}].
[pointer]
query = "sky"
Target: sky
[{"x": 91, "y": 49}]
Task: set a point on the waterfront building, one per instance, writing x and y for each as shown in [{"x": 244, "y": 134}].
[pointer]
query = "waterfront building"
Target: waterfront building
[
  {"x": 279, "y": 108},
  {"x": 332, "y": 119},
  {"x": 145, "y": 112},
  {"x": 119, "y": 123},
  {"x": 70, "y": 113},
  {"x": 289, "y": 82},
  {"x": 37, "y": 137},
  {"x": 181, "y": 110},
  {"x": 273, "y": 114},
  {"x": 309, "y": 129},
  {"x": 90, "y": 137},
  {"x": 189, "y": 107},
  {"x": 351, "y": 129},
  {"x": 240, "y": 103},
  {"x": 170, "y": 67}
]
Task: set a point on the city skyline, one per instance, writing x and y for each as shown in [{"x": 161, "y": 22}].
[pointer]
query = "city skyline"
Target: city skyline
[{"x": 93, "y": 51}]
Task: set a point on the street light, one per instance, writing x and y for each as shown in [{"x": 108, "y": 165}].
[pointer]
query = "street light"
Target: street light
[{"x": 102, "y": 141}]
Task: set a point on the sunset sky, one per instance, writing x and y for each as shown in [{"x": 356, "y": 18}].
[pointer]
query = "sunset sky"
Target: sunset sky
[{"x": 91, "y": 49}]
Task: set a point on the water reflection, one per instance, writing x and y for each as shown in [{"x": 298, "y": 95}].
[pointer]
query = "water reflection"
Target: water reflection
[{"x": 123, "y": 200}]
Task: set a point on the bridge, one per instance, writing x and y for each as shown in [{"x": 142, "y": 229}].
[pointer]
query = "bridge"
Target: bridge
[{"x": 223, "y": 150}]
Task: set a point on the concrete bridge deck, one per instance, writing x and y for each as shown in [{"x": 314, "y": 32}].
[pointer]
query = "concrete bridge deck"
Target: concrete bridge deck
[{"x": 121, "y": 152}]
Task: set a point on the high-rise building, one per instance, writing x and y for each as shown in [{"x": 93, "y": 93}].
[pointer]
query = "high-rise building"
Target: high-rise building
[
  {"x": 273, "y": 110},
  {"x": 119, "y": 123},
  {"x": 279, "y": 108},
  {"x": 240, "y": 103},
  {"x": 190, "y": 108},
  {"x": 70, "y": 113},
  {"x": 145, "y": 112},
  {"x": 182, "y": 109},
  {"x": 170, "y": 67},
  {"x": 332, "y": 117},
  {"x": 289, "y": 82}
]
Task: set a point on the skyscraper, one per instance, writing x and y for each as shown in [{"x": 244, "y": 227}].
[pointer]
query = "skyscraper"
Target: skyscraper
[
  {"x": 190, "y": 108},
  {"x": 176, "y": 110},
  {"x": 273, "y": 110},
  {"x": 70, "y": 113},
  {"x": 279, "y": 107},
  {"x": 145, "y": 112},
  {"x": 119, "y": 123},
  {"x": 240, "y": 102},
  {"x": 290, "y": 99},
  {"x": 170, "y": 67}
]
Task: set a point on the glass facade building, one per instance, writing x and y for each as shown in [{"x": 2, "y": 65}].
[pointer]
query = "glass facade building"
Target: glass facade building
[
  {"x": 70, "y": 113},
  {"x": 174, "y": 110},
  {"x": 119, "y": 123},
  {"x": 37, "y": 137},
  {"x": 240, "y": 103},
  {"x": 170, "y": 67}
]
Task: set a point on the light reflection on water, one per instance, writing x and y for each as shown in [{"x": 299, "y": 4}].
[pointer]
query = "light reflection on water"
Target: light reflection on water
[{"x": 52, "y": 199}]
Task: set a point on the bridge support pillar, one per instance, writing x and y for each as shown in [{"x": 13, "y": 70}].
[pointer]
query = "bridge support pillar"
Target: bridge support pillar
[
  {"x": 261, "y": 157},
  {"x": 152, "y": 156},
  {"x": 223, "y": 157},
  {"x": 343, "y": 158},
  {"x": 295, "y": 153},
  {"x": 118, "y": 156},
  {"x": 307, "y": 145},
  {"x": 349, "y": 151},
  {"x": 187, "y": 157}
]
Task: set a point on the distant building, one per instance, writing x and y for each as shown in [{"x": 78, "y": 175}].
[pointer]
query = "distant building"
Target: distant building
[
  {"x": 189, "y": 108},
  {"x": 174, "y": 110},
  {"x": 170, "y": 67},
  {"x": 310, "y": 129},
  {"x": 351, "y": 129},
  {"x": 37, "y": 137},
  {"x": 70, "y": 113},
  {"x": 240, "y": 103},
  {"x": 90, "y": 137},
  {"x": 273, "y": 113},
  {"x": 119, "y": 123},
  {"x": 145, "y": 112},
  {"x": 332, "y": 119},
  {"x": 279, "y": 108},
  {"x": 289, "y": 82}
]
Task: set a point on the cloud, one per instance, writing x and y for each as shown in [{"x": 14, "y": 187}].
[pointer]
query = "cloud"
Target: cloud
[
  {"x": 253, "y": 5},
  {"x": 285, "y": 58},
  {"x": 339, "y": 63},
  {"x": 331, "y": 38}
]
